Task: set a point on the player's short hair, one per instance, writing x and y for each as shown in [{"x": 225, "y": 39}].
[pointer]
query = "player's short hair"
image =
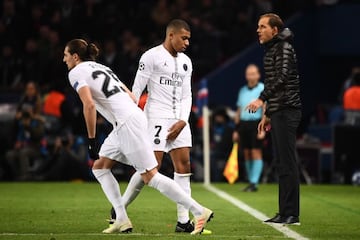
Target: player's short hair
[
  {"x": 177, "y": 24},
  {"x": 274, "y": 20},
  {"x": 86, "y": 51}
]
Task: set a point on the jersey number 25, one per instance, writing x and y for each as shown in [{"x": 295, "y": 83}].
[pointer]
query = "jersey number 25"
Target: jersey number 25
[{"x": 105, "y": 87}]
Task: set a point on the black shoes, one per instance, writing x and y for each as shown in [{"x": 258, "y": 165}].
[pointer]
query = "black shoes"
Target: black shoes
[
  {"x": 251, "y": 188},
  {"x": 289, "y": 220},
  {"x": 276, "y": 219},
  {"x": 184, "y": 227}
]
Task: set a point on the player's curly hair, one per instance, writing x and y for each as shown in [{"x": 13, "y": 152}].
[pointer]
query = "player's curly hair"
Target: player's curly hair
[{"x": 86, "y": 51}]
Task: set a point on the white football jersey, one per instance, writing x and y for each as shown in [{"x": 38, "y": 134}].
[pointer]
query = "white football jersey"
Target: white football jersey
[
  {"x": 168, "y": 81},
  {"x": 111, "y": 100}
]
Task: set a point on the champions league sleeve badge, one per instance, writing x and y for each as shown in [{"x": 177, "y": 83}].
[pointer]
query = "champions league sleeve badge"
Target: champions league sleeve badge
[
  {"x": 185, "y": 67},
  {"x": 141, "y": 66}
]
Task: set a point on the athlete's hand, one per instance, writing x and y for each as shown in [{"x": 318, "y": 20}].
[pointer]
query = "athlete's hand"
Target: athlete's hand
[
  {"x": 254, "y": 105},
  {"x": 261, "y": 135},
  {"x": 264, "y": 126},
  {"x": 175, "y": 130},
  {"x": 93, "y": 149}
]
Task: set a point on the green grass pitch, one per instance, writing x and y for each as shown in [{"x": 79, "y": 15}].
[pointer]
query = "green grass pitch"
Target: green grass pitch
[{"x": 62, "y": 211}]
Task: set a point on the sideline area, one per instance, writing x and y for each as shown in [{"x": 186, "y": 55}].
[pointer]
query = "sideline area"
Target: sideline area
[{"x": 253, "y": 212}]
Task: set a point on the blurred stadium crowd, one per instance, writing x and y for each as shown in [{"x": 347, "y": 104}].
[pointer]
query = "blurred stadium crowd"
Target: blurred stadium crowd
[
  {"x": 42, "y": 130},
  {"x": 33, "y": 33}
]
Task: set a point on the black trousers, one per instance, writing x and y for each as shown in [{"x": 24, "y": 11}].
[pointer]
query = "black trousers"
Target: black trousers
[{"x": 284, "y": 124}]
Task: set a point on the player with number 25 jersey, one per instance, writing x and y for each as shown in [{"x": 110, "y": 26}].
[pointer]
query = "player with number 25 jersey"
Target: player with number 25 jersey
[{"x": 106, "y": 89}]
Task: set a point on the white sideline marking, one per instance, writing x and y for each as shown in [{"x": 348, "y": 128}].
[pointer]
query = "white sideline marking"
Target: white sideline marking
[{"x": 255, "y": 213}]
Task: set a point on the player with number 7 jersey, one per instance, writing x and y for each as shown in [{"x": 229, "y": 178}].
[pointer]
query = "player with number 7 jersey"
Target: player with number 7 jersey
[{"x": 166, "y": 72}]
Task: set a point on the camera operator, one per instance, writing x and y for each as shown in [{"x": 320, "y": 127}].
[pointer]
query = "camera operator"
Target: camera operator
[
  {"x": 68, "y": 159},
  {"x": 28, "y": 146}
]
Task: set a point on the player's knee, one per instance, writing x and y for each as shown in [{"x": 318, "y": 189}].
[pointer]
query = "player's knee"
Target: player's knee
[
  {"x": 102, "y": 163},
  {"x": 98, "y": 164}
]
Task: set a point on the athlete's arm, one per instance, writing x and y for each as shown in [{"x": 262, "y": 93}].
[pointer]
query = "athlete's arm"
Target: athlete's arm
[
  {"x": 89, "y": 110},
  {"x": 262, "y": 124},
  {"x": 239, "y": 109},
  {"x": 143, "y": 75},
  {"x": 263, "y": 110},
  {"x": 235, "y": 135},
  {"x": 237, "y": 116},
  {"x": 139, "y": 85},
  {"x": 186, "y": 100}
]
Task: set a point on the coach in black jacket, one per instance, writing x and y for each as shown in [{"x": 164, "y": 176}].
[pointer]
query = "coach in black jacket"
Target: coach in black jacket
[{"x": 282, "y": 97}]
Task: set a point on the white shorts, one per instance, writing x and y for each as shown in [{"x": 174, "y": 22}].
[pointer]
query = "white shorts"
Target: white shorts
[
  {"x": 129, "y": 144},
  {"x": 158, "y": 131}
]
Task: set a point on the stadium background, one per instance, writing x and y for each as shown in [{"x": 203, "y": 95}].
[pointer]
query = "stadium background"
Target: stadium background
[{"x": 33, "y": 34}]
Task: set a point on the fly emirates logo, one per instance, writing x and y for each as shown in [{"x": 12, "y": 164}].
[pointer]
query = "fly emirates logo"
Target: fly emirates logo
[{"x": 176, "y": 80}]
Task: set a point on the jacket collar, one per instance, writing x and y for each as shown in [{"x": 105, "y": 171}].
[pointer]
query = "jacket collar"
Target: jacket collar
[{"x": 284, "y": 35}]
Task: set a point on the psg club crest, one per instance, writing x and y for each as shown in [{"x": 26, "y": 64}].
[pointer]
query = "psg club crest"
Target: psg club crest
[{"x": 185, "y": 67}]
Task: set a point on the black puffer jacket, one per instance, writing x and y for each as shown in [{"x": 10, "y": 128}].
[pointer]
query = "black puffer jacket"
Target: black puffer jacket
[{"x": 282, "y": 88}]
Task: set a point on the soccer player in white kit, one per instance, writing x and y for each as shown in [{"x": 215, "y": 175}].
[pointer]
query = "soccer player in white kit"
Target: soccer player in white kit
[
  {"x": 100, "y": 89},
  {"x": 166, "y": 71}
]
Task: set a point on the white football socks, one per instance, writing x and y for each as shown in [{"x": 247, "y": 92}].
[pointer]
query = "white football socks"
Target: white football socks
[
  {"x": 111, "y": 189},
  {"x": 173, "y": 191},
  {"x": 183, "y": 180},
  {"x": 133, "y": 189}
]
